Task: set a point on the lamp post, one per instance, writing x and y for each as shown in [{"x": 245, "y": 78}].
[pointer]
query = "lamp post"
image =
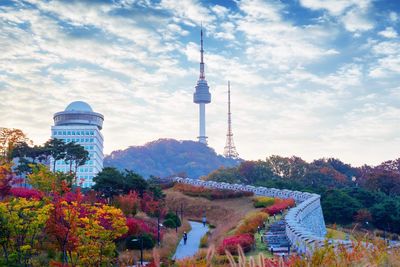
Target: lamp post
[
  {"x": 182, "y": 212},
  {"x": 141, "y": 248},
  {"x": 159, "y": 225}
]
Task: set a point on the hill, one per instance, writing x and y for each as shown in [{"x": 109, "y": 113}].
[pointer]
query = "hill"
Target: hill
[{"x": 166, "y": 157}]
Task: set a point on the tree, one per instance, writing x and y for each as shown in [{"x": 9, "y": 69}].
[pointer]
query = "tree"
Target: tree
[
  {"x": 22, "y": 222},
  {"x": 75, "y": 155},
  {"x": 135, "y": 182},
  {"x": 42, "y": 178},
  {"x": 56, "y": 148},
  {"x": 109, "y": 182},
  {"x": 112, "y": 182},
  {"x": 6, "y": 178},
  {"x": 9, "y": 139},
  {"x": 339, "y": 207},
  {"x": 99, "y": 226}
]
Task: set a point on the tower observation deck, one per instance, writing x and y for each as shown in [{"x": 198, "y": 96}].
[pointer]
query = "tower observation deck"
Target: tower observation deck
[{"x": 202, "y": 95}]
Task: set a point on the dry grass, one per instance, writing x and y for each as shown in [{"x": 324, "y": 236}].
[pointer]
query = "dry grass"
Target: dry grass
[{"x": 225, "y": 214}]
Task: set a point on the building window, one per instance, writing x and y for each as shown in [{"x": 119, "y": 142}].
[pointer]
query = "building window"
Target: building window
[
  {"x": 55, "y": 133},
  {"x": 87, "y": 132},
  {"x": 64, "y": 133},
  {"x": 91, "y": 132},
  {"x": 69, "y": 132},
  {"x": 82, "y": 133},
  {"x": 91, "y": 140},
  {"x": 91, "y": 147},
  {"x": 59, "y": 132},
  {"x": 73, "y": 132}
]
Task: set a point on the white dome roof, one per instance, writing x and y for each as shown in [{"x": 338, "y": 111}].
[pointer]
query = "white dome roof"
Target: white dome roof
[{"x": 79, "y": 106}]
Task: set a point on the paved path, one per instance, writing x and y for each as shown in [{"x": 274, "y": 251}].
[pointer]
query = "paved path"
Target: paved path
[{"x": 193, "y": 241}]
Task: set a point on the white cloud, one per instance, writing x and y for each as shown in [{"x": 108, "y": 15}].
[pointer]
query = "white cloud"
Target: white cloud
[
  {"x": 258, "y": 9},
  {"x": 295, "y": 88},
  {"x": 190, "y": 12},
  {"x": 352, "y": 13},
  {"x": 389, "y": 32}
]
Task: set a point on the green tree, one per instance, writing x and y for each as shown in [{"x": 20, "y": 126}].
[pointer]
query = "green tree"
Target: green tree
[
  {"x": 339, "y": 207},
  {"x": 109, "y": 182},
  {"x": 56, "y": 148}
]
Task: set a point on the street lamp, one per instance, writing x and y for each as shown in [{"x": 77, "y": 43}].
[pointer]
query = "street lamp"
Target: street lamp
[
  {"x": 159, "y": 225},
  {"x": 141, "y": 248}
]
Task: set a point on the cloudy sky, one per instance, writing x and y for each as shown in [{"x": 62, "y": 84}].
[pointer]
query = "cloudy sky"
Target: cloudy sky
[{"x": 312, "y": 78}]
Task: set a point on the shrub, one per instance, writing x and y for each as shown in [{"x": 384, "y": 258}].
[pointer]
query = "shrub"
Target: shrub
[
  {"x": 262, "y": 202},
  {"x": 26, "y": 193},
  {"x": 140, "y": 226},
  {"x": 128, "y": 203},
  {"x": 134, "y": 242},
  {"x": 246, "y": 241},
  {"x": 279, "y": 205},
  {"x": 169, "y": 223},
  {"x": 172, "y": 220},
  {"x": 251, "y": 222}
]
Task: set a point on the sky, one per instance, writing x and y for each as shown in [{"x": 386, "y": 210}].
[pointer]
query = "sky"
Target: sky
[{"x": 311, "y": 78}]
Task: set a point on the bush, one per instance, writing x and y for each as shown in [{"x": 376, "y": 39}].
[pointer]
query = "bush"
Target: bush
[
  {"x": 251, "y": 222},
  {"x": 262, "y": 202},
  {"x": 169, "y": 223},
  {"x": 148, "y": 242},
  {"x": 139, "y": 226},
  {"x": 172, "y": 220},
  {"x": 279, "y": 205},
  {"x": 246, "y": 241},
  {"x": 26, "y": 193}
]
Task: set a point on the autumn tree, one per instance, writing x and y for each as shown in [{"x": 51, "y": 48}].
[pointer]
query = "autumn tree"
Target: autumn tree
[
  {"x": 21, "y": 224},
  {"x": 9, "y": 139}
]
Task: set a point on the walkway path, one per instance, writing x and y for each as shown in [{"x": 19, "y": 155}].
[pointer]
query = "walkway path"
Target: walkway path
[{"x": 193, "y": 241}]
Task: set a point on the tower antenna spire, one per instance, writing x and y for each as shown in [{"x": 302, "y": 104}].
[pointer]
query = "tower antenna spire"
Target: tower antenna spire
[
  {"x": 202, "y": 75},
  {"x": 230, "y": 149}
]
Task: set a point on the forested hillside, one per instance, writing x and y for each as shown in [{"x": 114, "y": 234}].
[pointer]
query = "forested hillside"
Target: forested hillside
[
  {"x": 166, "y": 157},
  {"x": 367, "y": 195}
]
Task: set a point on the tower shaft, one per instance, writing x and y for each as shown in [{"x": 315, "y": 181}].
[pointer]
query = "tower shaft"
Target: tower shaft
[
  {"x": 230, "y": 149},
  {"x": 202, "y": 123}
]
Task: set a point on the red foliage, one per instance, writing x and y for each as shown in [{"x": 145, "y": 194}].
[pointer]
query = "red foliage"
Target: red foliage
[
  {"x": 128, "y": 203},
  {"x": 246, "y": 241},
  {"x": 279, "y": 205},
  {"x": 6, "y": 178},
  {"x": 26, "y": 193},
  {"x": 139, "y": 226}
]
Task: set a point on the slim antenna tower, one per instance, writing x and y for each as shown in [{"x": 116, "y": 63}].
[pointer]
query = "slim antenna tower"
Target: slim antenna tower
[{"x": 230, "y": 149}]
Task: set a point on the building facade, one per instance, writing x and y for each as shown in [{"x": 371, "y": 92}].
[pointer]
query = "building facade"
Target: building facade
[{"x": 78, "y": 123}]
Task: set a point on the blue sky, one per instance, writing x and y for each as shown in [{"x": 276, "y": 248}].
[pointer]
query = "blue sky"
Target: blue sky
[{"x": 312, "y": 78}]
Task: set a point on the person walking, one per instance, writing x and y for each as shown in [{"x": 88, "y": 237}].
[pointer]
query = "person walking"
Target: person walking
[
  {"x": 185, "y": 238},
  {"x": 204, "y": 220}
]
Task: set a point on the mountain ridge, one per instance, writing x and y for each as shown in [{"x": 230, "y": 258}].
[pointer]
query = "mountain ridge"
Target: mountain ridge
[{"x": 165, "y": 157}]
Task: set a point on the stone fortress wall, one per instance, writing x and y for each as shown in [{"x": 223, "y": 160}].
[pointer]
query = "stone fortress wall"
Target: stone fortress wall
[{"x": 305, "y": 225}]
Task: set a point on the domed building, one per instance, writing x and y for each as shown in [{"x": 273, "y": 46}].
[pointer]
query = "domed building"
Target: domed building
[{"x": 78, "y": 123}]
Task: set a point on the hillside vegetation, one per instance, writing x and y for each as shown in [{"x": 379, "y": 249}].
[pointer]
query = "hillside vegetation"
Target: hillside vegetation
[
  {"x": 366, "y": 196},
  {"x": 166, "y": 157}
]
